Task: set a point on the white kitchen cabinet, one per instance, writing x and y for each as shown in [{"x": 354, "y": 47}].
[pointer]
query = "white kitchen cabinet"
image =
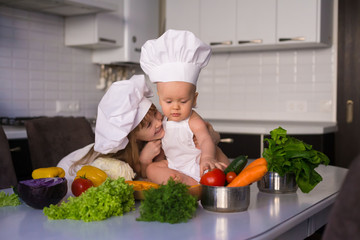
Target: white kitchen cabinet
[
  {"x": 217, "y": 22},
  {"x": 256, "y": 22},
  {"x": 117, "y": 36},
  {"x": 304, "y": 22},
  {"x": 100, "y": 30},
  {"x": 64, "y": 7},
  {"x": 183, "y": 15},
  {"x": 245, "y": 25},
  {"x": 141, "y": 23}
]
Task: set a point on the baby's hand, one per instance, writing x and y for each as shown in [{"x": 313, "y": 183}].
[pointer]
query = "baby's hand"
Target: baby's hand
[{"x": 209, "y": 163}]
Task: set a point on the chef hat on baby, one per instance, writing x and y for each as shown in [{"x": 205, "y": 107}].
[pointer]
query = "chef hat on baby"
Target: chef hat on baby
[
  {"x": 175, "y": 56},
  {"x": 120, "y": 110}
]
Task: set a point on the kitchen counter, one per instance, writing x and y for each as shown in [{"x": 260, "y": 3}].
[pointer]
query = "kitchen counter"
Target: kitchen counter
[
  {"x": 269, "y": 216},
  {"x": 15, "y": 132},
  {"x": 229, "y": 126},
  {"x": 264, "y": 127}
]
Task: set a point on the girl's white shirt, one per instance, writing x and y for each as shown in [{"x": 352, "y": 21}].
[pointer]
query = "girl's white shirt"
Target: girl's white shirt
[{"x": 68, "y": 160}]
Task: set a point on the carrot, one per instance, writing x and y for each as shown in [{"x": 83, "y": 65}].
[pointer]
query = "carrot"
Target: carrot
[
  {"x": 249, "y": 175},
  {"x": 142, "y": 185},
  {"x": 259, "y": 161}
]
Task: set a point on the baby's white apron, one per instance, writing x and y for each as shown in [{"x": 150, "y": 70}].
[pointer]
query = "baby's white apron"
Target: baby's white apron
[{"x": 179, "y": 148}]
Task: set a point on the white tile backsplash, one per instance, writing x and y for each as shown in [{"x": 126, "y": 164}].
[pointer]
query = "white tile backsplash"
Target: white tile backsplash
[
  {"x": 253, "y": 86},
  {"x": 36, "y": 70}
]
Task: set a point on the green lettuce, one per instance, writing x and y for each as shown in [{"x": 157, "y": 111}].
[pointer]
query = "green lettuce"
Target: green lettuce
[
  {"x": 112, "y": 198},
  {"x": 9, "y": 199},
  {"x": 286, "y": 154}
]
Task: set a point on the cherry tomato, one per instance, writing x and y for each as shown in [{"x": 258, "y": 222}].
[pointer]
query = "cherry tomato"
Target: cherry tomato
[
  {"x": 80, "y": 185},
  {"x": 230, "y": 176},
  {"x": 215, "y": 177}
]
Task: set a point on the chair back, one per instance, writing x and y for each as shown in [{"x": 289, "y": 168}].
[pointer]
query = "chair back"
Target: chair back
[
  {"x": 52, "y": 138},
  {"x": 344, "y": 218},
  {"x": 7, "y": 170}
]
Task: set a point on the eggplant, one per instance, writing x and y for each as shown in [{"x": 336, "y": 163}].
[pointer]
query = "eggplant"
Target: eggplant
[{"x": 40, "y": 193}]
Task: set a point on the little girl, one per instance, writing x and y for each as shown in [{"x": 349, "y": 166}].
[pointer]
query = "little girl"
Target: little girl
[{"x": 128, "y": 128}]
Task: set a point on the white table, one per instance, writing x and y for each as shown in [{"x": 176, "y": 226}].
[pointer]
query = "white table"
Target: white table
[{"x": 269, "y": 216}]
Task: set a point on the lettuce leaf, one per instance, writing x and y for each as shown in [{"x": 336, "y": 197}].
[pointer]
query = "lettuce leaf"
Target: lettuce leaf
[
  {"x": 9, "y": 199},
  {"x": 286, "y": 154},
  {"x": 112, "y": 198}
]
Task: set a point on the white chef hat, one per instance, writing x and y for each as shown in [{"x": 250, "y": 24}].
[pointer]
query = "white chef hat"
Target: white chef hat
[
  {"x": 120, "y": 110},
  {"x": 175, "y": 56}
]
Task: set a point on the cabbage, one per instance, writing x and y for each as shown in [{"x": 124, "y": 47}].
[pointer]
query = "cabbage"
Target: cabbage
[
  {"x": 40, "y": 193},
  {"x": 114, "y": 168}
]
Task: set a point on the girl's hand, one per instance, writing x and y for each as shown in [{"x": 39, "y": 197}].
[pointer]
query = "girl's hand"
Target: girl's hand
[
  {"x": 209, "y": 163},
  {"x": 150, "y": 151}
]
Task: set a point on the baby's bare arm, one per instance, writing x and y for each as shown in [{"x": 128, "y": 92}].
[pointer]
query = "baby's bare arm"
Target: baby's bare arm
[{"x": 208, "y": 149}]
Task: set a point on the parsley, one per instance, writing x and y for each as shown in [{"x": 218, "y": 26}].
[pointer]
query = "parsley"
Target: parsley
[
  {"x": 287, "y": 154},
  {"x": 170, "y": 203},
  {"x": 111, "y": 198},
  {"x": 9, "y": 199}
]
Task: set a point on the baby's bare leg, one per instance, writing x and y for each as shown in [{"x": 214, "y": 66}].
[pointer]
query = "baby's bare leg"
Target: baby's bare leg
[{"x": 160, "y": 173}]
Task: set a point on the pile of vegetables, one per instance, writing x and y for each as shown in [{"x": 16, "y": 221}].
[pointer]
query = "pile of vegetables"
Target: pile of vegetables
[
  {"x": 286, "y": 154},
  {"x": 170, "y": 203},
  {"x": 236, "y": 174},
  {"x": 111, "y": 198},
  {"x": 88, "y": 176}
]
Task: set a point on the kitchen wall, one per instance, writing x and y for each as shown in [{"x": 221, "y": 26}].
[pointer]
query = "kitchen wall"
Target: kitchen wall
[
  {"x": 36, "y": 69},
  {"x": 295, "y": 85}
]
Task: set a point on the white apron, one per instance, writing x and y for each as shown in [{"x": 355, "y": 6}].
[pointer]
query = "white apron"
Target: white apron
[{"x": 179, "y": 148}]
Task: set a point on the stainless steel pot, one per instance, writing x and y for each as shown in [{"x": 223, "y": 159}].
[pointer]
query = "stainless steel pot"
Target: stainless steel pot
[
  {"x": 272, "y": 182},
  {"x": 225, "y": 199}
]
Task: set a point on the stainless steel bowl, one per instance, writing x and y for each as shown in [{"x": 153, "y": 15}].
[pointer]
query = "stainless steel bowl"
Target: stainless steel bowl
[
  {"x": 272, "y": 182},
  {"x": 225, "y": 199}
]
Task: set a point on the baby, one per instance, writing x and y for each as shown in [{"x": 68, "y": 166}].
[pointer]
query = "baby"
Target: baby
[{"x": 173, "y": 62}]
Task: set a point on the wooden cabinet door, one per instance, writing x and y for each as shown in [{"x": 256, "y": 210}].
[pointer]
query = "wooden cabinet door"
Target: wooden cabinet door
[
  {"x": 297, "y": 19},
  {"x": 217, "y": 21},
  {"x": 347, "y": 138},
  {"x": 256, "y": 22},
  {"x": 183, "y": 15}
]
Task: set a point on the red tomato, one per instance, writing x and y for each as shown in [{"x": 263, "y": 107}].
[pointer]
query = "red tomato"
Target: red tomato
[
  {"x": 230, "y": 176},
  {"x": 215, "y": 177},
  {"x": 80, "y": 185}
]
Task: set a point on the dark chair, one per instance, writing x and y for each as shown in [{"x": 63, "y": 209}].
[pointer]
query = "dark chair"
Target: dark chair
[
  {"x": 52, "y": 138},
  {"x": 7, "y": 170},
  {"x": 344, "y": 219}
]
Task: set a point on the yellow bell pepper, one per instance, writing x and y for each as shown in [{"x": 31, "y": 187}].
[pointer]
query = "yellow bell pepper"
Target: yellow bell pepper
[
  {"x": 94, "y": 174},
  {"x": 48, "y": 172}
]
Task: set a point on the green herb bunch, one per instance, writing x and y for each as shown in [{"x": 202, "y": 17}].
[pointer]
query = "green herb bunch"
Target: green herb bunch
[
  {"x": 9, "y": 199},
  {"x": 111, "y": 198},
  {"x": 170, "y": 203},
  {"x": 287, "y": 154}
]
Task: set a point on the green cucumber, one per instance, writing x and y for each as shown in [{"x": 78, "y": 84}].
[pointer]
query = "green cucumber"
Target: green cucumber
[{"x": 237, "y": 165}]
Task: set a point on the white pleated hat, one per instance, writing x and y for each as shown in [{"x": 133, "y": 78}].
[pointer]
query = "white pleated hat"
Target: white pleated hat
[
  {"x": 121, "y": 109},
  {"x": 175, "y": 56}
]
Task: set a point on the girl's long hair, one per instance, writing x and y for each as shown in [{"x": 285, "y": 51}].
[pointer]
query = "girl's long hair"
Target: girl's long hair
[{"x": 129, "y": 154}]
